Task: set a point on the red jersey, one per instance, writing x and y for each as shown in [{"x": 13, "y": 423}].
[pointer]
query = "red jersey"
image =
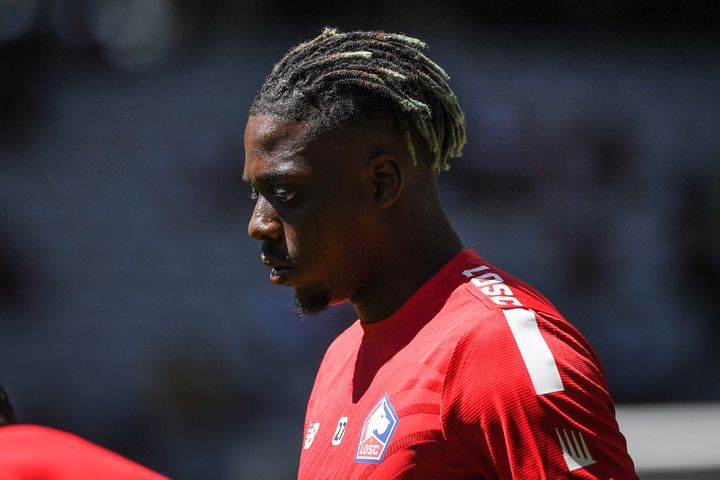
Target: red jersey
[
  {"x": 476, "y": 376},
  {"x": 31, "y": 452}
]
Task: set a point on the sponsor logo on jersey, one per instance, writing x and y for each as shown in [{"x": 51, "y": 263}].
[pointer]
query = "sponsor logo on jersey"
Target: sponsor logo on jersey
[
  {"x": 340, "y": 430},
  {"x": 376, "y": 432},
  {"x": 310, "y": 435},
  {"x": 575, "y": 450}
]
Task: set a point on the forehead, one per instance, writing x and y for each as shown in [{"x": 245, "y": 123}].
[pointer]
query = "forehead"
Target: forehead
[
  {"x": 274, "y": 144},
  {"x": 279, "y": 147},
  {"x": 268, "y": 133}
]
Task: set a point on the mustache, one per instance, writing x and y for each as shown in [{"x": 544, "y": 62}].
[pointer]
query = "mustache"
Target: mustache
[{"x": 274, "y": 256}]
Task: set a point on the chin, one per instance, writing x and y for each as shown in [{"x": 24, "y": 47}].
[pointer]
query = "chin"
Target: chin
[{"x": 312, "y": 302}]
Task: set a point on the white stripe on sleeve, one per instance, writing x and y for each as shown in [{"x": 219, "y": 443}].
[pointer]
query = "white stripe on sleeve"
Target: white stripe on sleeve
[{"x": 535, "y": 352}]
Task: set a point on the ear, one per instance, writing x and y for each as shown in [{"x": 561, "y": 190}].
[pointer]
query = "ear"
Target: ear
[{"x": 388, "y": 178}]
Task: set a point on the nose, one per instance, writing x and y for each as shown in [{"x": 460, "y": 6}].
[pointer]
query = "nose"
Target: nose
[{"x": 264, "y": 221}]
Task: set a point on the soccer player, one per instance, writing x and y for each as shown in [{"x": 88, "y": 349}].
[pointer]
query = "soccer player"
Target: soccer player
[{"x": 454, "y": 369}]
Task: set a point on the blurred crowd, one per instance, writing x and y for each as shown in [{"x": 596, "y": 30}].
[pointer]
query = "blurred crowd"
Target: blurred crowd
[{"x": 134, "y": 309}]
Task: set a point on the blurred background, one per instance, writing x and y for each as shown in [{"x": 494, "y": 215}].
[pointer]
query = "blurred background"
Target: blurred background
[{"x": 133, "y": 308}]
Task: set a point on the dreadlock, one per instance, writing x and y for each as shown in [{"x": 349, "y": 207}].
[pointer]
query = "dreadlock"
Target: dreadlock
[{"x": 340, "y": 78}]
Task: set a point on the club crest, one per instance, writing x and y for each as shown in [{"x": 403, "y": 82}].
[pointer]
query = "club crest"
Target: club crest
[{"x": 376, "y": 432}]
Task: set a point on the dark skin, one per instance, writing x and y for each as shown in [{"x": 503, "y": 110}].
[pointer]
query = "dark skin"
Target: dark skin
[{"x": 344, "y": 216}]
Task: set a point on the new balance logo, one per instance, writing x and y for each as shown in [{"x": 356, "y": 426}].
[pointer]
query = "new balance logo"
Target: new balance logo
[
  {"x": 575, "y": 450},
  {"x": 310, "y": 435}
]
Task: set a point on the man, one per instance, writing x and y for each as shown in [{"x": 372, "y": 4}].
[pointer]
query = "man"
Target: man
[{"x": 455, "y": 369}]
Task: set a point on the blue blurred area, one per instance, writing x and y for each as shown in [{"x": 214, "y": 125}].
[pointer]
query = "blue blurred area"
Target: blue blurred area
[{"x": 133, "y": 308}]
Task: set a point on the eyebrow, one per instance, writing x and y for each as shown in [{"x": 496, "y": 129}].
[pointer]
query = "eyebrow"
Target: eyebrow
[{"x": 278, "y": 175}]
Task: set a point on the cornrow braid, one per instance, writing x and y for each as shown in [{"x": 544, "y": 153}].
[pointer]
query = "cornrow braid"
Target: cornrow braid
[{"x": 338, "y": 78}]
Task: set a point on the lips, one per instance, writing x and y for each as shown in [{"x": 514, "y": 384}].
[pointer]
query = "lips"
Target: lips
[
  {"x": 280, "y": 275},
  {"x": 280, "y": 270}
]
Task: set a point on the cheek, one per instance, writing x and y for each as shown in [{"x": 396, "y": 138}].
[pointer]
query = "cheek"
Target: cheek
[
  {"x": 320, "y": 246},
  {"x": 294, "y": 243},
  {"x": 306, "y": 242},
  {"x": 330, "y": 235}
]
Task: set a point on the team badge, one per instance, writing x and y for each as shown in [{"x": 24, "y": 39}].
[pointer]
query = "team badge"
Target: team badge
[{"x": 376, "y": 432}]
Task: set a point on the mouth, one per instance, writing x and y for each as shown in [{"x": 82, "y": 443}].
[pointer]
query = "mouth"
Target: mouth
[
  {"x": 280, "y": 275},
  {"x": 280, "y": 270}
]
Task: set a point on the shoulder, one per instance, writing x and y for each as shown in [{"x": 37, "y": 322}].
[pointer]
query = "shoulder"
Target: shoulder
[
  {"x": 498, "y": 289},
  {"x": 514, "y": 343},
  {"x": 518, "y": 374},
  {"x": 517, "y": 326},
  {"x": 517, "y": 361},
  {"x": 481, "y": 305}
]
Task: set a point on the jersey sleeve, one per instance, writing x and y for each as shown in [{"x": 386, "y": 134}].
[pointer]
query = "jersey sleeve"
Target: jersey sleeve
[{"x": 525, "y": 397}]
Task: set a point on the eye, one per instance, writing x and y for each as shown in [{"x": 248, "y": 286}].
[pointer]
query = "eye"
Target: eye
[{"x": 284, "y": 195}]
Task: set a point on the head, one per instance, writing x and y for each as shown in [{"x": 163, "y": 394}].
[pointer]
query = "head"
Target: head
[{"x": 343, "y": 144}]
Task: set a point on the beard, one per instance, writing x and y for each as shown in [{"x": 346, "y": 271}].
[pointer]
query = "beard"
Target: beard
[{"x": 311, "y": 302}]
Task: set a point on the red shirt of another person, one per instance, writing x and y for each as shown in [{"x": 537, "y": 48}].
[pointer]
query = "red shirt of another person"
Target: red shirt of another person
[{"x": 31, "y": 452}]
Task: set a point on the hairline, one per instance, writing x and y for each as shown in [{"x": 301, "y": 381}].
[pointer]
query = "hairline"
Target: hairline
[{"x": 324, "y": 82}]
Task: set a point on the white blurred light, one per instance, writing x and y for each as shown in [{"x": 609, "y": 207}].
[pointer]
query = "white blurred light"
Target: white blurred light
[
  {"x": 672, "y": 437},
  {"x": 17, "y": 17},
  {"x": 135, "y": 34}
]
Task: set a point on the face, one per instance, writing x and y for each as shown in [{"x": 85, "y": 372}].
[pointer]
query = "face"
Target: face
[{"x": 313, "y": 214}]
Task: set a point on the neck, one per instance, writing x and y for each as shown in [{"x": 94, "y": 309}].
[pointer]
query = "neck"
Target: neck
[{"x": 411, "y": 260}]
